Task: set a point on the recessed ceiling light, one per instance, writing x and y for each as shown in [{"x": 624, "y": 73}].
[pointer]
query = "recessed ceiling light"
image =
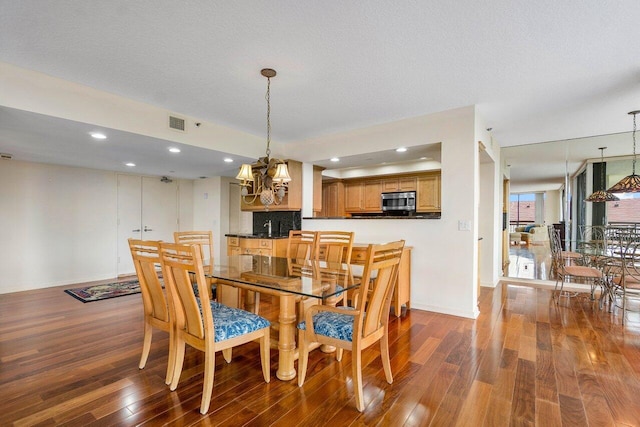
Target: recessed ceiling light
[
  {"x": 423, "y": 158},
  {"x": 174, "y": 149},
  {"x": 335, "y": 159},
  {"x": 130, "y": 164},
  {"x": 401, "y": 150},
  {"x": 228, "y": 160},
  {"x": 98, "y": 135}
]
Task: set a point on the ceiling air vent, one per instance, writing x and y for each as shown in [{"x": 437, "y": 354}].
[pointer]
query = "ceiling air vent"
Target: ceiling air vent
[
  {"x": 5, "y": 156},
  {"x": 177, "y": 123}
]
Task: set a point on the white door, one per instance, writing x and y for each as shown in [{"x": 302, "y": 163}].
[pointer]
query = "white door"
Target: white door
[
  {"x": 147, "y": 209},
  {"x": 159, "y": 209}
]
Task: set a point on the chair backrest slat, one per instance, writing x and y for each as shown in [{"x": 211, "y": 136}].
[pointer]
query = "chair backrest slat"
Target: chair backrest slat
[
  {"x": 301, "y": 244},
  {"x": 146, "y": 260},
  {"x": 334, "y": 246},
  {"x": 179, "y": 261},
  {"x": 204, "y": 240}
]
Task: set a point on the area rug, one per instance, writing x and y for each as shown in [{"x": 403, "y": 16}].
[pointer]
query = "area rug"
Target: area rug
[{"x": 104, "y": 291}]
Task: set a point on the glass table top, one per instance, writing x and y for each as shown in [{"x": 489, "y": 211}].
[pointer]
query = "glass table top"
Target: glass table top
[{"x": 310, "y": 278}]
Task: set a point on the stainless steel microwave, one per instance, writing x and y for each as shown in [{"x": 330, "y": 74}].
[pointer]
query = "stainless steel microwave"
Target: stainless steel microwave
[{"x": 399, "y": 201}]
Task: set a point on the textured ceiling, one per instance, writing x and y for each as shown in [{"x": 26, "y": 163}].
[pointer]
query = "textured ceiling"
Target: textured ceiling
[{"x": 538, "y": 71}]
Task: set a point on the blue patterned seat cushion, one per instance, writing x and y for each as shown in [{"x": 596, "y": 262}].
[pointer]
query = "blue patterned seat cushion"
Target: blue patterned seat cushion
[
  {"x": 232, "y": 322},
  {"x": 333, "y": 325}
]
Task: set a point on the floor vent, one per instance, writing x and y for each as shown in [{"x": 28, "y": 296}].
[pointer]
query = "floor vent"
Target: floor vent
[{"x": 177, "y": 123}]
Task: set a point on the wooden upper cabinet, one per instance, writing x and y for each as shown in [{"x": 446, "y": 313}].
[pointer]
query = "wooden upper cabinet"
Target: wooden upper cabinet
[
  {"x": 333, "y": 199},
  {"x": 428, "y": 193},
  {"x": 363, "y": 195},
  {"x": 407, "y": 183},
  {"x": 317, "y": 190},
  {"x": 292, "y": 200},
  {"x": 353, "y": 195},
  {"x": 371, "y": 201}
]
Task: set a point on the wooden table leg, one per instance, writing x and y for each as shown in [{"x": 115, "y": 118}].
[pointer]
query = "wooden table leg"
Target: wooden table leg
[{"x": 287, "y": 338}]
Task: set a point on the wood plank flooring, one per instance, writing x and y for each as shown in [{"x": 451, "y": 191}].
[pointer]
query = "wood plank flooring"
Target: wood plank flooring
[{"x": 524, "y": 361}]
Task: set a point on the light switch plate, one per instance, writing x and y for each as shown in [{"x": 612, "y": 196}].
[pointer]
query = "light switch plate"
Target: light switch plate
[{"x": 464, "y": 225}]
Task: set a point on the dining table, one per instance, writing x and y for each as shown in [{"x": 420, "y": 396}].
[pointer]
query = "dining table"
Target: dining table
[{"x": 290, "y": 280}]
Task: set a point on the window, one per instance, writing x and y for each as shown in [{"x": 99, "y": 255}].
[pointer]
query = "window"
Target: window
[{"x": 522, "y": 208}]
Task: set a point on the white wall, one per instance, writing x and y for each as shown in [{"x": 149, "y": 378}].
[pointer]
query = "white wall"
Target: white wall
[
  {"x": 552, "y": 206},
  {"x": 211, "y": 209},
  {"x": 444, "y": 259},
  {"x": 489, "y": 214},
  {"x": 59, "y": 224}
]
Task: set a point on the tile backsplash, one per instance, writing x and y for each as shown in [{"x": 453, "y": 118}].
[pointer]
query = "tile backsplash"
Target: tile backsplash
[{"x": 281, "y": 222}]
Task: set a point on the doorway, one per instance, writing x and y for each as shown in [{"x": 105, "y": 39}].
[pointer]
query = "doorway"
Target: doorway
[{"x": 147, "y": 209}]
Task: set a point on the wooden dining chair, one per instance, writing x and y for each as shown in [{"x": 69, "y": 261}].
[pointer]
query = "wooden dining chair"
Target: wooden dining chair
[
  {"x": 301, "y": 248},
  {"x": 204, "y": 240},
  {"x": 335, "y": 246},
  {"x": 356, "y": 329},
  {"x": 157, "y": 312},
  {"x": 301, "y": 244},
  {"x": 203, "y": 324}
]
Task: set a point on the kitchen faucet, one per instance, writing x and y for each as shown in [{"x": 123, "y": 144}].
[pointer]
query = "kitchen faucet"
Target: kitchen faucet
[{"x": 268, "y": 225}]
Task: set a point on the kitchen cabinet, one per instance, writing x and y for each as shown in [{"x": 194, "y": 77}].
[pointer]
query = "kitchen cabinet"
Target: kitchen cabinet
[
  {"x": 402, "y": 290},
  {"x": 256, "y": 246},
  {"x": 317, "y": 190},
  {"x": 353, "y": 195},
  {"x": 371, "y": 201},
  {"x": 363, "y": 196},
  {"x": 428, "y": 193},
  {"x": 407, "y": 183},
  {"x": 292, "y": 200},
  {"x": 333, "y": 199}
]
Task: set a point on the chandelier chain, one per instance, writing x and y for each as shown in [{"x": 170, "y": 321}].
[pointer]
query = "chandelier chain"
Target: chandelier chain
[
  {"x": 268, "y": 98},
  {"x": 634, "y": 143}
]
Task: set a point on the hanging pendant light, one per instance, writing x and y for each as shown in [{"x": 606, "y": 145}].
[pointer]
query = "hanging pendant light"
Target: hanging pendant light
[
  {"x": 268, "y": 178},
  {"x": 602, "y": 195},
  {"x": 630, "y": 183}
]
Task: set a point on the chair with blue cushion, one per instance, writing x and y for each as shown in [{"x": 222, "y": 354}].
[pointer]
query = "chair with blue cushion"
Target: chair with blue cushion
[
  {"x": 356, "y": 328},
  {"x": 203, "y": 324},
  {"x": 146, "y": 260}
]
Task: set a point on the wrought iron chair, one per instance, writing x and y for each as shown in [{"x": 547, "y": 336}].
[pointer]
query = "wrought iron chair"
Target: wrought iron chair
[
  {"x": 360, "y": 327},
  {"x": 625, "y": 280},
  {"x": 565, "y": 271}
]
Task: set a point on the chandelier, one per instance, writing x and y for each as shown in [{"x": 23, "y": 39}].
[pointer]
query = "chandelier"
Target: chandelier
[
  {"x": 630, "y": 183},
  {"x": 602, "y": 195},
  {"x": 267, "y": 178}
]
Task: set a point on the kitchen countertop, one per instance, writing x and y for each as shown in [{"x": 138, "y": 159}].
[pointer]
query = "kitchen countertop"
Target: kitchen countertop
[
  {"x": 420, "y": 216},
  {"x": 258, "y": 236}
]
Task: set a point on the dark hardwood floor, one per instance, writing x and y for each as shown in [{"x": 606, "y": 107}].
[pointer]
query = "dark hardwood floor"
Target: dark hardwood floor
[{"x": 524, "y": 361}]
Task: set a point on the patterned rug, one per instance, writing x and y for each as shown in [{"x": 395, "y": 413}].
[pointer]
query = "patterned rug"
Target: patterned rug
[{"x": 107, "y": 290}]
